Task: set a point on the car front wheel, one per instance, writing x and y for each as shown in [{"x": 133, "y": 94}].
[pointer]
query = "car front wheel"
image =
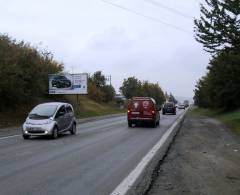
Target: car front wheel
[
  {"x": 55, "y": 133},
  {"x": 26, "y": 136},
  {"x": 73, "y": 129}
]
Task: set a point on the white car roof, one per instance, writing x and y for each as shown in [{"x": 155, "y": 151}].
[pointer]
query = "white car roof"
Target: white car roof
[{"x": 54, "y": 103}]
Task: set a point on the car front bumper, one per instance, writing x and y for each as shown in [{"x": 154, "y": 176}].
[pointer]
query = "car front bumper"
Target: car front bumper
[{"x": 37, "y": 130}]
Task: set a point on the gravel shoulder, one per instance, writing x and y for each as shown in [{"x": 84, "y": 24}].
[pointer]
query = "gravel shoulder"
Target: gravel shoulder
[{"x": 204, "y": 159}]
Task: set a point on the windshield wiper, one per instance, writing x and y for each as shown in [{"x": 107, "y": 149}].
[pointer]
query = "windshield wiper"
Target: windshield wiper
[{"x": 38, "y": 115}]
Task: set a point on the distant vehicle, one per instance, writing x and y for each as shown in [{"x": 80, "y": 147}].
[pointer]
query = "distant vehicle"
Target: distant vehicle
[
  {"x": 61, "y": 81},
  {"x": 50, "y": 119},
  {"x": 119, "y": 96},
  {"x": 169, "y": 107},
  {"x": 181, "y": 106},
  {"x": 186, "y": 103},
  {"x": 142, "y": 110}
]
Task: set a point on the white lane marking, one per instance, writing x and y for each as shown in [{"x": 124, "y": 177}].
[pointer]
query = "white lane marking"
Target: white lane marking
[
  {"x": 7, "y": 137},
  {"x": 129, "y": 181}
]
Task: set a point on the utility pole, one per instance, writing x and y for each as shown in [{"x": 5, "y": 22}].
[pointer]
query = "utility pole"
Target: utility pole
[{"x": 109, "y": 78}]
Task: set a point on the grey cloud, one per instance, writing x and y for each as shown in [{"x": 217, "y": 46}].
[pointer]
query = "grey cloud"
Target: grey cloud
[{"x": 111, "y": 39}]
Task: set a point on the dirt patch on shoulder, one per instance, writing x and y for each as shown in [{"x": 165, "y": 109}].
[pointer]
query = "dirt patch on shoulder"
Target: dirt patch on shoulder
[{"x": 204, "y": 159}]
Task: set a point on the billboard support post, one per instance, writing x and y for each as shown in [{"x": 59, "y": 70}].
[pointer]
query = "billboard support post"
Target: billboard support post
[{"x": 78, "y": 102}]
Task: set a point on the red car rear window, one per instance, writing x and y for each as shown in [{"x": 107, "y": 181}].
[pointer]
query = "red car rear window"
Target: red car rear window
[{"x": 137, "y": 105}]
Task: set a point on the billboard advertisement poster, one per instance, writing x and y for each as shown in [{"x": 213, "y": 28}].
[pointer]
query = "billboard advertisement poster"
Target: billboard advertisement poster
[{"x": 68, "y": 83}]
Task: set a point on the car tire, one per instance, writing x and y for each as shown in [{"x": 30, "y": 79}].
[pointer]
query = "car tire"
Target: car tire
[
  {"x": 26, "y": 136},
  {"x": 55, "y": 133},
  {"x": 73, "y": 129},
  {"x": 154, "y": 124},
  {"x": 129, "y": 124}
]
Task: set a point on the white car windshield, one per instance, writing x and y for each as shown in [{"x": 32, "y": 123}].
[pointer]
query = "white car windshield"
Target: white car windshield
[{"x": 44, "y": 111}]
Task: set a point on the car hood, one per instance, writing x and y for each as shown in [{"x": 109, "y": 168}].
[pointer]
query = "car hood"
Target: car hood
[{"x": 37, "y": 122}]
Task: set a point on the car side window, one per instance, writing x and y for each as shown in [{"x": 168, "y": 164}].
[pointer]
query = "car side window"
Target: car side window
[
  {"x": 69, "y": 109},
  {"x": 61, "y": 110}
]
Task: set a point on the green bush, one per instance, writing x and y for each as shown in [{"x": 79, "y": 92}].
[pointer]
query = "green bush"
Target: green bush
[
  {"x": 133, "y": 87},
  {"x": 98, "y": 90}
]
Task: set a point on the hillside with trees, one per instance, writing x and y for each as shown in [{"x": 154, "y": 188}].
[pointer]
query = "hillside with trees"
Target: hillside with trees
[
  {"x": 24, "y": 71},
  {"x": 218, "y": 29},
  {"x": 98, "y": 90}
]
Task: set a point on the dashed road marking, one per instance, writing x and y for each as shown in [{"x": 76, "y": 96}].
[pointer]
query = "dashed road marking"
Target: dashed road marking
[{"x": 7, "y": 137}]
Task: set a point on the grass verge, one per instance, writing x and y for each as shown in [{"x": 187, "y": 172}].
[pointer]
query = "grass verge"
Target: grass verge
[
  {"x": 230, "y": 119},
  {"x": 89, "y": 108}
]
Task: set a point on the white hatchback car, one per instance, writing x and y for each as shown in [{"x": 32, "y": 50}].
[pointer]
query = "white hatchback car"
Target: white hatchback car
[{"x": 50, "y": 119}]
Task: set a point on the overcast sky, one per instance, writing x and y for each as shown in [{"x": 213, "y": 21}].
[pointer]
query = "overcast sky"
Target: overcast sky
[{"x": 140, "y": 38}]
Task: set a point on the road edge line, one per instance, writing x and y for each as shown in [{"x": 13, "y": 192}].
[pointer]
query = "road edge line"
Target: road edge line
[
  {"x": 9, "y": 136},
  {"x": 139, "y": 178}
]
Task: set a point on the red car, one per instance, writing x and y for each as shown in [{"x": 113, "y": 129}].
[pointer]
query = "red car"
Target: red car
[{"x": 143, "y": 110}]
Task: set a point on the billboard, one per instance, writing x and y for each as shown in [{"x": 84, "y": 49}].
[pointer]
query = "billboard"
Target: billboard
[{"x": 68, "y": 83}]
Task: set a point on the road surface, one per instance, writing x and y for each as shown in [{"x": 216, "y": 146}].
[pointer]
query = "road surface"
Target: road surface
[{"x": 92, "y": 162}]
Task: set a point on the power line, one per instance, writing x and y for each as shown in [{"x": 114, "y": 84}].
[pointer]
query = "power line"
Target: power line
[
  {"x": 147, "y": 17},
  {"x": 169, "y": 9}
]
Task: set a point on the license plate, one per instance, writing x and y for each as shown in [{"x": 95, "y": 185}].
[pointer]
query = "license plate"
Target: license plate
[
  {"x": 35, "y": 128},
  {"x": 135, "y": 112},
  {"x": 146, "y": 113}
]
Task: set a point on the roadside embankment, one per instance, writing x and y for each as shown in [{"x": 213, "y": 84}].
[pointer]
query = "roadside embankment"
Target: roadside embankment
[{"x": 203, "y": 159}]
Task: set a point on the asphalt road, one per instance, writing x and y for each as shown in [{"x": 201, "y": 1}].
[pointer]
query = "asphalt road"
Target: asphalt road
[{"x": 92, "y": 162}]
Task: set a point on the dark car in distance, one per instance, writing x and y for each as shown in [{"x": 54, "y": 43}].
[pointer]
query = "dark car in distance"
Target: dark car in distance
[
  {"x": 186, "y": 103},
  {"x": 61, "y": 81},
  {"x": 143, "y": 110},
  {"x": 169, "y": 107}
]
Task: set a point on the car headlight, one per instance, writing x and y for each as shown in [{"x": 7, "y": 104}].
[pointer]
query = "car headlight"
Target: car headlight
[{"x": 27, "y": 122}]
